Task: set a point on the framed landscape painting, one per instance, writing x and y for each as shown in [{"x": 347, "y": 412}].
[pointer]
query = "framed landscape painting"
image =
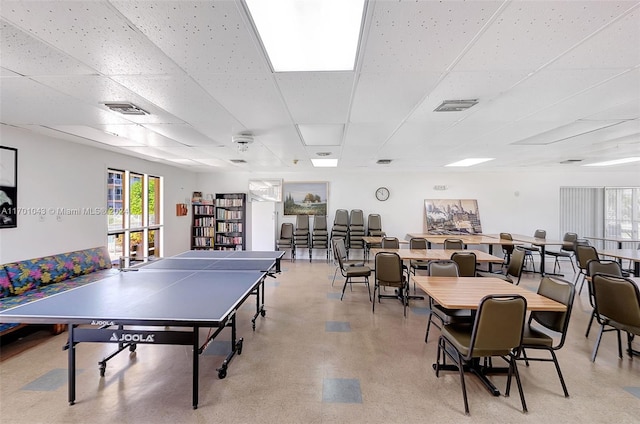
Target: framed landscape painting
[
  {"x": 452, "y": 216},
  {"x": 305, "y": 198},
  {"x": 8, "y": 187}
]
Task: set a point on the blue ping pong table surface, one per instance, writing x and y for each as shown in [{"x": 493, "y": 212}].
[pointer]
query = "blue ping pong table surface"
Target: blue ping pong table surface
[{"x": 194, "y": 289}]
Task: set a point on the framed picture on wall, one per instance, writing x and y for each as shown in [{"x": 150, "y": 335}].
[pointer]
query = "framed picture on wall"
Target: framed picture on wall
[
  {"x": 306, "y": 198},
  {"x": 8, "y": 187},
  {"x": 452, "y": 216}
]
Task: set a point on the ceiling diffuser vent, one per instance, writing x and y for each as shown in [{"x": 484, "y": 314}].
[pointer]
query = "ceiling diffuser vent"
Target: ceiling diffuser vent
[
  {"x": 383, "y": 161},
  {"x": 571, "y": 161},
  {"x": 126, "y": 108},
  {"x": 456, "y": 105},
  {"x": 238, "y": 161}
]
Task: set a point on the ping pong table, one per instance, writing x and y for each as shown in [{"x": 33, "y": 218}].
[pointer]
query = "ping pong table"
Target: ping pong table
[{"x": 192, "y": 290}]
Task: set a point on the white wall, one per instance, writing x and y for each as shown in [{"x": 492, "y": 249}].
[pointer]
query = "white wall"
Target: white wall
[
  {"x": 58, "y": 174},
  {"x": 513, "y": 202}
]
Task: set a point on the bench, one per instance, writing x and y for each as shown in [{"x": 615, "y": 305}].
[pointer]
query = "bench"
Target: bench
[{"x": 33, "y": 279}]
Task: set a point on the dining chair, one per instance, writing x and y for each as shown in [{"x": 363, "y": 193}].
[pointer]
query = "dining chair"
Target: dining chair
[
  {"x": 444, "y": 268},
  {"x": 599, "y": 266},
  {"x": 507, "y": 249},
  {"x": 453, "y": 244},
  {"x": 529, "y": 250},
  {"x": 584, "y": 253},
  {"x": 566, "y": 251},
  {"x": 340, "y": 255},
  {"x": 557, "y": 322},
  {"x": 466, "y": 262},
  {"x": 514, "y": 271},
  {"x": 301, "y": 233},
  {"x": 349, "y": 272},
  {"x": 389, "y": 273},
  {"x": 285, "y": 242},
  {"x": 497, "y": 331},
  {"x": 390, "y": 243},
  {"x": 320, "y": 235},
  {"x": 617, "y": 304}
]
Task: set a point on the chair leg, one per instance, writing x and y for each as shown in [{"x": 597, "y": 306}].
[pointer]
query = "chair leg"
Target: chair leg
[
  {"x": 334, "y": 276},
  {"x": 555, "y": 361},
  {"x": 426, "y": 336},
  {"x": 464, "y": 388},
  {"x": 440, "y": 347},
  {"x": 368, "y": 288},
  {"x": 619, "y": 344},
  {"x": 346, "y": 281},
  {"x": 595, "y": 348},
  {"x": 593, "y": 314},
  {"x": 515, "y": 370},
  {"x": 375, "y": 287}
]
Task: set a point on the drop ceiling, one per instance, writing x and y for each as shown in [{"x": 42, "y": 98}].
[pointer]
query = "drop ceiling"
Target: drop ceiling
[{"x": 555, "y": 81}]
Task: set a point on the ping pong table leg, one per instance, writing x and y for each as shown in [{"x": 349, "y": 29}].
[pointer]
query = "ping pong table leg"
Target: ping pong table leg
[
  {"x": 196, "y": 368},
  {"x": 71, "y": 367}
]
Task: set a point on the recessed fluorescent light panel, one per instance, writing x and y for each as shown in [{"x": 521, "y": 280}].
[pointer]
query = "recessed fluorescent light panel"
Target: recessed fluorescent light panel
[
  {"x": 470, "y": 162},
  {"x": 309, "y": 35},
  {"x": 614, "y": 162},
  {"x": 324, "y": 163}
]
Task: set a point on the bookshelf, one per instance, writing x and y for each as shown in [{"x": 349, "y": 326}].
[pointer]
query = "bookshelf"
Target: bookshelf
[
  {"x": 230, "y": 226},
  {"x": 203, "y": 227}
]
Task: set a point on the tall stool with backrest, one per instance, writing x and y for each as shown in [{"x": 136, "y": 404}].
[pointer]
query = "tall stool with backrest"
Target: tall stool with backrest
[
  {"x": 566, "y": 251},
  {"x": 389, "y": 273},
  {"x": 598, "y": 266},
  {"x": 497, "y": 331},
  {"x": 444, "y": 268},
  {"x": 514, "y": 271},
  {"x": 561, "y": 291},
  {"x": 617, "y": 301}
]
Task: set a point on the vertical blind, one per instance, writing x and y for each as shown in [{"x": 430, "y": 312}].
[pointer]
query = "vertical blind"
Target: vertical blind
[{"x": 608, "y": 212}]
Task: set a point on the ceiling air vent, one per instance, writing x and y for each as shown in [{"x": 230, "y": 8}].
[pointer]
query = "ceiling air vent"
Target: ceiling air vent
[
  {"x": 126, "y": 108},
  {"x": 455, "y": 105},
  {"x": 383, "y": 161},
  {"x": 571, "y": 161},
  {"x": 238, "y": 161}
]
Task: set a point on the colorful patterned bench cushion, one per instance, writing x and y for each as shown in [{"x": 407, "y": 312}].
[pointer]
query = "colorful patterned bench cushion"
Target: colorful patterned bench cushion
[
  {"x": 86, "y": 261},
  {"x": 5, "y": 284},
  {"x": 32, "y": 273}
]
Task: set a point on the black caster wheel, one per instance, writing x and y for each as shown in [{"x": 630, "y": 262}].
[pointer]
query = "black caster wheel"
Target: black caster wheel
[
  {"x": 132, "y": 348},
  {"x": 263, "y": 312},
  {"x": 102, "y": 371},
  {"x": 222, "y": 373}
]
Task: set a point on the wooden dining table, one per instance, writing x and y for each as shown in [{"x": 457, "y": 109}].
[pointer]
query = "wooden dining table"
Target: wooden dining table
[
  {"x": 467, "y": 239},
  {"x": 438, "y": 254},
  {"x": 542, "y": 243},
  {"x": 632, "y": 255},
  {"x": 466, "y": 293}
]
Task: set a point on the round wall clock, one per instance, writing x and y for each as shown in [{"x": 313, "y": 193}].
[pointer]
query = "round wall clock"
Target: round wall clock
[{"x": 382, "y": 194}]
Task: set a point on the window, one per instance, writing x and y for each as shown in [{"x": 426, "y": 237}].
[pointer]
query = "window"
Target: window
[
  {"x": 134, "y": 218},
  {"x": 622, "y": 212}
]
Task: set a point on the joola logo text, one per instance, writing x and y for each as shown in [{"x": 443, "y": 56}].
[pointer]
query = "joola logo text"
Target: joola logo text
[
  {"x": 94, "y": 322},
  {"x": 146, "y": 338}
]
